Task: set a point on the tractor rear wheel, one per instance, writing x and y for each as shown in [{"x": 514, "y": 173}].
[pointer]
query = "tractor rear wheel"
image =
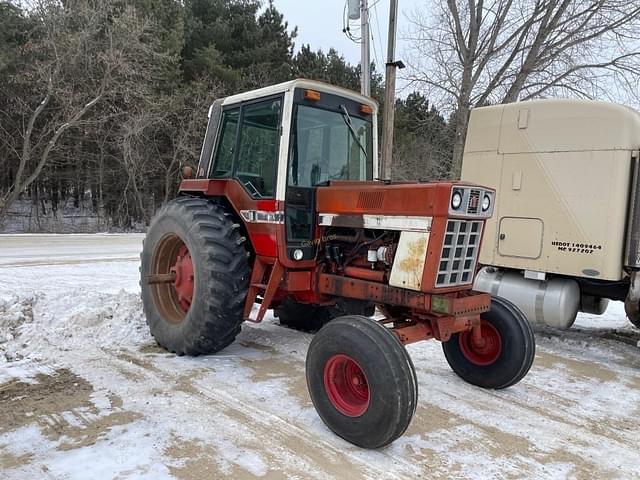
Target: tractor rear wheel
[
  {"x": 194, "y": 277},
  {"x": 311, "y": 318},
  {"x": 505, "y": 354},
  {"x": 361, "y": 381}
]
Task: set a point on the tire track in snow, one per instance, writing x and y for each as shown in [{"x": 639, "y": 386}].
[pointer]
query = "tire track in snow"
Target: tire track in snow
[
  {"x": 272, "y": 425},
  {"x": 548, "y": 433}
]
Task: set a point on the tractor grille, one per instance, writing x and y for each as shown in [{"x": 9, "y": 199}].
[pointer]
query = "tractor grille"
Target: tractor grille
[
  {"x": 459, "y": 253},
  {"x": 474, "y": 202}
]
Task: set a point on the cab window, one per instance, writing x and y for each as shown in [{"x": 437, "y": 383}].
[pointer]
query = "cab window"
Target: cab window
[
  {"x": 248, "y": 146},
  {"x": 226, "y": 147},
  {"x": 329, "y": 145},
  {"x": 258, "y": 150}
]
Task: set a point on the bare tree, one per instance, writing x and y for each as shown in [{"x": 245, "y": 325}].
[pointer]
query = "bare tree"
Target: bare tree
[
  {"x": 476, "y": 52},
  {"x": 419, "y": 159},
  {"x": 156, "y": 140},
  {"x": 183, "y": 127},
  {"x": 79, "y": 57}
]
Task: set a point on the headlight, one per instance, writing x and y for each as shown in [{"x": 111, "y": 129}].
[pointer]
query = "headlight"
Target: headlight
[
  {"x": 456, "y": 200},
  {"x": 486, "y": 202}
]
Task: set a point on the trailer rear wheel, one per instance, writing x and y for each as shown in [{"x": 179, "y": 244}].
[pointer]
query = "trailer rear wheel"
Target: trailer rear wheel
[
  {"x": 632, "y": 310},
  {"x": 194, "y": 277},
  {"x": 361, "y": 381},
  {"x": 504, "y": 356}
]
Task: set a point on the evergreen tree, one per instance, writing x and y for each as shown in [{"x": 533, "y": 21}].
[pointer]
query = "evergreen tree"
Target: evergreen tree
[
  {"x": 228, "y": 41},
  {"x": 156, "y": 66}
]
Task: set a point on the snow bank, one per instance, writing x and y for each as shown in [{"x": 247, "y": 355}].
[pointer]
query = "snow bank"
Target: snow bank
[{"x": 33, "y": 324}]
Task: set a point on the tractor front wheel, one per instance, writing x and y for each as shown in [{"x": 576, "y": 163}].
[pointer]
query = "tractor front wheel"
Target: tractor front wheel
[
  {"x": 194, "y": 277},
  {"x": 361, "y": 381},
  {"x": 502, "y": 357}
]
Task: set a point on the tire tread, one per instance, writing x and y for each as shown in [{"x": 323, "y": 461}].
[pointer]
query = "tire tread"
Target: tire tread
[{"x": 226, "y": 278}]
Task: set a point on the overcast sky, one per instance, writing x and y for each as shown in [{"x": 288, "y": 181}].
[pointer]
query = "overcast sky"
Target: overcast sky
[{"x": 320, "y": 24}]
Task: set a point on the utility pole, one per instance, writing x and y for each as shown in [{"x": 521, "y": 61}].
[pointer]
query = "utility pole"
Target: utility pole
[
  {"x": 359, "y": 9},
  {"x": 365, "y": 62},
  {"x": 390, "y": 93}
]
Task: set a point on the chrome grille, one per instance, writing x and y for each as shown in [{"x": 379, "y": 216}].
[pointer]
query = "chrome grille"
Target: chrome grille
[
  {"x": 474, "y": 202},
  {"x": 459, "y": 253},
  {"x": 471, "y": 205}
]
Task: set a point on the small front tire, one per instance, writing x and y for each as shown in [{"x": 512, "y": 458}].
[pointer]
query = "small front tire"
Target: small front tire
[
  {"x": 361, "y": 381},
  {"x": 506, "y": 353}
]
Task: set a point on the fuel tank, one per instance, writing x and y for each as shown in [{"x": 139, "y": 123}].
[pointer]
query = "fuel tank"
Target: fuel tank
[
  {"x": 554, "y": 302},
  {"x": 593, "y": 305}
]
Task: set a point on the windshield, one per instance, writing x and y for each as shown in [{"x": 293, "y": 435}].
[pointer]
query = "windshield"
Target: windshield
[{"x": 329, "y": 145}]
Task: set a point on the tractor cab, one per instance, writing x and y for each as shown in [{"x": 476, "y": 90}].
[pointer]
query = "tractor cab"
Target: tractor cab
[{"x": 280, "y": 143}]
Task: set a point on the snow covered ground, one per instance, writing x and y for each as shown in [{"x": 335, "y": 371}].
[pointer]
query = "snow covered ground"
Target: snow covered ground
[{"x": 86, "y": 393}]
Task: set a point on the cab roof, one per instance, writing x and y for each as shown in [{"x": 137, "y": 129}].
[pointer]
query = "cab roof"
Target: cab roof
[{"x": 300, "y": 83}]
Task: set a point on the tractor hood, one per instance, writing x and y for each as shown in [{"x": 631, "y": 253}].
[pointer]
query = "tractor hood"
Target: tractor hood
[{"x": 343, "y": 198}]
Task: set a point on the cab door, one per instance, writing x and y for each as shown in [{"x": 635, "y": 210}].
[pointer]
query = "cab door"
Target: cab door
[
  {"x": 246, "y": 156},
  {"x": 307, "y": 147},
  {"x": 331, "y": 139}
]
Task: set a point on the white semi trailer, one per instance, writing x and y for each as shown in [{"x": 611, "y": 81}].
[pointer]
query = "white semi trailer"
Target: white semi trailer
[{"x": 565, "y": 234}]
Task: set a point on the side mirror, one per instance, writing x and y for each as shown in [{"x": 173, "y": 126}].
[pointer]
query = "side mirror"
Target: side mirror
[{"x": 187, "y": 172}]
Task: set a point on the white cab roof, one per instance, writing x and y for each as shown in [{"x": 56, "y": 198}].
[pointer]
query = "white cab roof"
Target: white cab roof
[{"x": 300, "y": 83}]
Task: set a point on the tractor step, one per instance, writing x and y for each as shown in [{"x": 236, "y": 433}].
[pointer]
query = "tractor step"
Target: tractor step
[{"x": 266, "y": 290}]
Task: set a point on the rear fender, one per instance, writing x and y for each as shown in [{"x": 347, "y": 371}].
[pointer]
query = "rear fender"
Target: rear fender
[{"x": 252, "y": 214}]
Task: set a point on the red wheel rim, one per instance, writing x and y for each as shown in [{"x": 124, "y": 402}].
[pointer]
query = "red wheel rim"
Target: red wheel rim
[
  {"x": 183, "y": 283},
  {"x": 173, "y": 298},
  {"x": 485, "y": 352},
  {"x": 346, "y": 385}
]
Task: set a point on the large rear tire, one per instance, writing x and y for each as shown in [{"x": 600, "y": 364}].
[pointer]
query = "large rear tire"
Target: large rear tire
[
  {"x": 504, "y": 357},
  {"x": 311, "y": 318},
  {"x": 199, "y": 311},
  {"x": 361, "y": 381}
]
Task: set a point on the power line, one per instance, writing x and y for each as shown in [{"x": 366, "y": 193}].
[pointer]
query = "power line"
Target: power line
[
  {"x": 354, "y": 33},
  {"x": 375, "y": 50},
  {"x": 346, "y": 27},
  {"x": 375, "y": 8}
]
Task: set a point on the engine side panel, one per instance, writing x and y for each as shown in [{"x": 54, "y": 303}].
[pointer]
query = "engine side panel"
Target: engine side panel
[{"x": 408, "y": 264}]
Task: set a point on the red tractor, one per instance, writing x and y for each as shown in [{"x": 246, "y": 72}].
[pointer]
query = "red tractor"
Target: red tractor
[{"x": 284, "y": 211}]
